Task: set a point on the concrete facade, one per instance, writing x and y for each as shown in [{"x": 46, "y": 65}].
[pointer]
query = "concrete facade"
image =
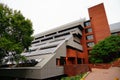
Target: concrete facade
[{"x": 115, "y": 28}]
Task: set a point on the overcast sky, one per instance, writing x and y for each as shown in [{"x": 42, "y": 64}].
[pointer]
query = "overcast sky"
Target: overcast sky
[{"x": 48, "y": 14}]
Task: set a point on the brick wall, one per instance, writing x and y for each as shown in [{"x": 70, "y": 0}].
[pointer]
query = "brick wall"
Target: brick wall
[
  {"x": 99, "y": 22},
  {"x": 72, "y": 70},
  {"x": 106, "y": 66}
]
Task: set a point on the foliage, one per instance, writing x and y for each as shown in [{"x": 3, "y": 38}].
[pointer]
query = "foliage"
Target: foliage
[
  {"x": 15, "y": 32},
  {"x": 77, "y": 77},
  {"x": 107, "y": 50}
]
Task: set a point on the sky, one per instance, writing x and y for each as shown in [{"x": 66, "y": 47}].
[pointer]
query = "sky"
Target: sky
[{"x": 48, "y": 14}]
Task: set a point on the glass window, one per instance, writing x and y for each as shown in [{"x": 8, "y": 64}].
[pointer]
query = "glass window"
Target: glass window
[
  {"x": 114, "y": 33},
  {"x": 90, "y": 44},
  {"x": 60, "y": 61},
  {"x": 89, "y": 37},
  {"x": 88, "y": 30},
  {"x": 87, "y": 23}
]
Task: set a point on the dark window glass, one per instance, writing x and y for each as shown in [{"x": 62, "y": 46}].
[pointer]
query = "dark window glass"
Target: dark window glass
[
  {"x": 50, "y": 34},
  {"x": 64, "y": 34},
  {"x": 89, "y": 37},
  {"x": 78, "y": 26},
  {"x": 62, "y": 61},
  {"x": 48, "y": 47},
  {"x": 39, "y": 37},
  {"x": 47, "y": 39},
  {"x": 34, "y": 42},
  {"x": 88, "y": 30},
  {"x": 79, "y": 60},
  {"x": 114, "y": 33}
]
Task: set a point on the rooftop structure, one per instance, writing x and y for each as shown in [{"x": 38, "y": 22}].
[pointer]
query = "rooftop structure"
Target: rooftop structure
[{"x": 115, "y": 28}]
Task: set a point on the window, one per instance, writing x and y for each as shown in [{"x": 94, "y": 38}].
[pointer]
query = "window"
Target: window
[
  {"x": 64, "y": 30},
  {"x": 48, "y": 47},
  {"x": 39, "y": 37},
  {"x": 88, "y": 30},
  {"x": 60, "y": 61},
  {"x": 79, "y": 60},
  {"x": 34, "y": 42},
  {"x": 87, "y": 23},
  {"x": 114, "y": 33},
  {"x": 90, "y": 44},
  {"x": 89, "y": 37},
  {"x": 64, "y": 34},
  {"x": 51, "y": 34},
  {"x": 57, "y": 40},
  {"x": 46, "y": 39},
  {"x": 76, "y": 39}
]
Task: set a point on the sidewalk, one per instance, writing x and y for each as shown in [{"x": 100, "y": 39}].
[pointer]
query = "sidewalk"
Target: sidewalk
[{"x": 104, "y": 74}]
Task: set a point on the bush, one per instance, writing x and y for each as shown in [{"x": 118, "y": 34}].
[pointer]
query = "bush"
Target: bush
[{"x": 77, "y": 77}]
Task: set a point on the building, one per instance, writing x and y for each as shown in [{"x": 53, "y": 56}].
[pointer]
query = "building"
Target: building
[
  {"x": 68, "y": 44},
  {"x": 115, "y": 28}
]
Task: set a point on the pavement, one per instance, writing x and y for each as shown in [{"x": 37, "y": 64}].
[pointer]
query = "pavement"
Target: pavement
[{"x": 112, "y": 73}]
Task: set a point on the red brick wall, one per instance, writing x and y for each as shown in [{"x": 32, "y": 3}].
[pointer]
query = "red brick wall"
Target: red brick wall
[
  {"x": 100, "y": 28},
  {"x": 72, "y": 70},
  {"x": 72, "y": 55},
  {"x": 83, "y": 42},
  {"x": 99, "y": 22}
]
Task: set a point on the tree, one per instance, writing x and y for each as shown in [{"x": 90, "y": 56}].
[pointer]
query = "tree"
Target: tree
[
  {"x": 15, "y": 32},
  {"x": 106, "y": 51}
]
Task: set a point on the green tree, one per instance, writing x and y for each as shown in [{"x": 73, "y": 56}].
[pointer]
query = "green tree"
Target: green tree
[
  {"x": 15, "y": 32},
  {"x": 106, "y": 51}
]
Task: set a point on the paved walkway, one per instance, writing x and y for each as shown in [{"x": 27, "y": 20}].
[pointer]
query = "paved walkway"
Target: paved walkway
[{"x": 112, "y": 73}]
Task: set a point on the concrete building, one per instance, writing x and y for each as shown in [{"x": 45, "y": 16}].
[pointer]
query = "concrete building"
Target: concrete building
[
  {"x": 68, "y": 44},
  {"x": 115, "y": 28}
]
